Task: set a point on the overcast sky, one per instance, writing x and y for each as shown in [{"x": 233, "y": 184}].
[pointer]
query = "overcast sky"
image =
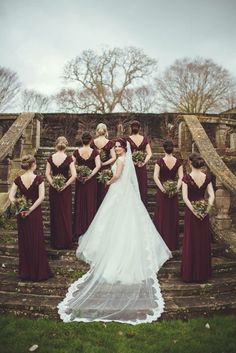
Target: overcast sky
[{"x": 37, "y": 37}]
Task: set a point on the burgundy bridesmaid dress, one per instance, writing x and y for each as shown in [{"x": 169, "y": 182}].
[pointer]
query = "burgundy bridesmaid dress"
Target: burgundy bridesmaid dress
[
  {"x": 61, "y": 208},
  {"x": 166, "y": 215},
  {"x": 196, "y": 254},
  {"x": 33, "y": 263},
  {"x": 85, "y": 196},
  {"x": 141, "y": 172},
  {"x": 102, "y": 188}
]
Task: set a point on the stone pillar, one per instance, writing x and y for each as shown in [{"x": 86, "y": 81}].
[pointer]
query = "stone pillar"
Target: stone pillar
[
  {"x": 222, "y": 201},
  {"x": 185, "y": 138},
  {"x": 4, "y": 174},
  {"x": 36, "y": 134},
  {"x": 233, "y": 141},
  {"x": 27, "y": 136},
  {"x": 120, "y": 130},
  {"x": 221, "y": 133}
]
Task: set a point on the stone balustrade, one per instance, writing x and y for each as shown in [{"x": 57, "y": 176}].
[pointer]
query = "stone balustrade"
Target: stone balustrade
[{"x": 21, "y": 135}]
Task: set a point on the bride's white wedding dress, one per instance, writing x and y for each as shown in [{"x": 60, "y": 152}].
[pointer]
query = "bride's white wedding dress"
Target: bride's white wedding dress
[{"x": 125, "y": 252}]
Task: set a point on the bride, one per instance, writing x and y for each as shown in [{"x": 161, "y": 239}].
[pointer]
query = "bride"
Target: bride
[{"x": 124, "y": 251}]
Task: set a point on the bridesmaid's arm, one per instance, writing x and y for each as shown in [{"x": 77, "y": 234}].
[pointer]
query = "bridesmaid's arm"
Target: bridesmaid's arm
[
  {"x": 119, "y": 169},
  {"x": 97, "y": 167},
  {"x": 156, "y": 176},
  {"x": 48, "y": 173},
  {"x": 112, "y": 159},
  {"x": 12, "y": 193},
  {"x": 72, "y": 177},
  {"x": 211, "y": 198},
  {"x": 186, "y": 199},
  {"x": 148, "y": 151},
  {"x": 180, "y": 175},
  {"x": 39, "y": 199}
]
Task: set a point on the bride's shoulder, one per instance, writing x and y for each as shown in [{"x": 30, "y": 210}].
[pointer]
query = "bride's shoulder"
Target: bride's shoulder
[{"x": 121, "y": 159}]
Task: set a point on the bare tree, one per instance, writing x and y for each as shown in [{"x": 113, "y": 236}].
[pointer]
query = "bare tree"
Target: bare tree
[
  {"x": 34, "y": 101},
  {"x": 76, "y": 101},
  {"x": 9, "y": 88},
  {"x": 141, "y": 99},
  {"x": 104, "y": 77},
  {"x": 195, "y": 86}
]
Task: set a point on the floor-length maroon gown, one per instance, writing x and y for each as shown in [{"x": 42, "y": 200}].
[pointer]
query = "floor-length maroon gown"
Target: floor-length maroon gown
[
  {"x": 61, "y": 208},
  {"x": 196, "y": 255},
  {"x": 33, "y": 262},
  {"x": 166, "y": 215},
  {"x": 85, "y": 196},
  {"x": 101, "y": 187},
  {"x": 141, "y": 172}
]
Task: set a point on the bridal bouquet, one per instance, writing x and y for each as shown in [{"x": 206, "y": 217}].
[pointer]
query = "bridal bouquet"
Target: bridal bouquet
[
  {"x": 138, "y": 156},
  {"x": 171, "y": 187},
  {"x": 104, "y": 176},
  {"x": 200, "y": 207},
  {"x": 21, "y": 205},
  {"x": 58, "y": 181},
  {"x": 83, "y": 172}
]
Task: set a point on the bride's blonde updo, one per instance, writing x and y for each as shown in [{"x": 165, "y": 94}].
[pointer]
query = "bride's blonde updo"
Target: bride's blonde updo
[
  {"x": 101, "y": 130},
  {"x": 27, "y": 161},
  {"x": 61, "y": 143}
]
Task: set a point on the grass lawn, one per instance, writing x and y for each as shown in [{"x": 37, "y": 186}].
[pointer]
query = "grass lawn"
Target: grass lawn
[{"x": 17, "y": 335}]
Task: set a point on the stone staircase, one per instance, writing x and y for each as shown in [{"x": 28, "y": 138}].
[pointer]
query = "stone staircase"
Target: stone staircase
[{"x": 182, "y": 300}]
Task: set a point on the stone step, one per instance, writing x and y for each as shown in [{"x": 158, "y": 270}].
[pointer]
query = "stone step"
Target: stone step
[
  {"x": 29, "y": 305},
  {"x": 220, "y": 265},
  {"x": 179, "y": 307},
  {"x": 189, "y": 307},
  {"x": 173, "y": 287}
]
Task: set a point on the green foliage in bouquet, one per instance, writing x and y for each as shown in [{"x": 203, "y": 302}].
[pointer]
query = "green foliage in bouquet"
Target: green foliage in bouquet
[
  {"x": 200, "y": 207},
  {"x": 170, "y": 186},
  {"x": 104, "y": 176},
  {"x": 21, "y": 204},
  {"x": 83, "y": 171},
  {"x": 138, "y": 156},
  {"x": 58, "y": 181}
]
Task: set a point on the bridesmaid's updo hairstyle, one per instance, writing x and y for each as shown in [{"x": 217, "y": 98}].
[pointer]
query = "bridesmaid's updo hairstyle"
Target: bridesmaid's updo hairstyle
[
  {"x": 101, "y": 130},
  {"x": 122, "y": 142},
  {"x": 168, "y": 146},
  {"x": 135, "y": 127},
  {"x": 196, "y": 160},
  {"x": 86, "y": 138},
  {"x": 27, "y": 161},
  {"x": 61, "y": 143}
]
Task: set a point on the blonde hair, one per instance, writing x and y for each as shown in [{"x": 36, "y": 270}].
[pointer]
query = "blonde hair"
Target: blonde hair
[
  {"x": 61, "y": 143},
  {"x": 27, "y": 161},
  {"x": 101, "y": 130}
]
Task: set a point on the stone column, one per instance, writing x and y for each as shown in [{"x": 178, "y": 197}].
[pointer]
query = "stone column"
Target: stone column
[
  {"x": 221, "y": 133},
  {"x": 222, "y": 201},
  {"x": 233, "y": 141},
  {"x": 4, "y": 174}
]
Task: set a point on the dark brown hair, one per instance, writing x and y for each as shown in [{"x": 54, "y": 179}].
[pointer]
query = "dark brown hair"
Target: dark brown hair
[
  {"x": 196, "y": 160},
  {"x": 168, "y": 146},
  {"x": 27, "y": 161},
  {"x": 135, "y": 126},
  {"x": 122, "y": 142},
  {"x": 86, "y": 138},
  {"x": 61, "y": 143}
]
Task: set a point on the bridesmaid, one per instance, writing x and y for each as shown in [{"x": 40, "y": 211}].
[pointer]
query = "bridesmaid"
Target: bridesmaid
[
  {"x": 196, "y": 255},
  {"x": 140, "y": 143},
  {"x": 107, "y": 154},
  {"x": 61, "y": 201},
  {"x": 33, "y": 263},
  {"x": 166, "y": 215},
  {"x": 86, "y": 189}
]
